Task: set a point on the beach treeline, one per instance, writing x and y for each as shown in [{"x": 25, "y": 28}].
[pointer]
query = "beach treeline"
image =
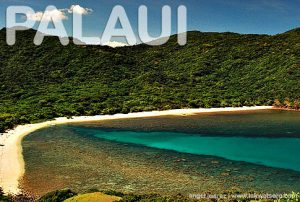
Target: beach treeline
[{"x": 213, "y": 70}]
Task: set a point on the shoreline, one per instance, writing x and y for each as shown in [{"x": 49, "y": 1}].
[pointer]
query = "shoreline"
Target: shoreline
[{"x": 12, "y": 165}]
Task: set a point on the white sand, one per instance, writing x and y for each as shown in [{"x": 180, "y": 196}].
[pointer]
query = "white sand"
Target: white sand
[{"x": 12, "y": 166}]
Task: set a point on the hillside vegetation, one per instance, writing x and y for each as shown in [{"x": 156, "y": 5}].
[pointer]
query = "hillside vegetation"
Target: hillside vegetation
[{"x": 212, "y": 70}]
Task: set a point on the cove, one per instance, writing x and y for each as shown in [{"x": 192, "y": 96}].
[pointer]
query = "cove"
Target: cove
[{"x": 273, "y": 152}]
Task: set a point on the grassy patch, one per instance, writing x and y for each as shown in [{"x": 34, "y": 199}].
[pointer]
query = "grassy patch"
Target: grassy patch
[{"x": 93, "y": 197}]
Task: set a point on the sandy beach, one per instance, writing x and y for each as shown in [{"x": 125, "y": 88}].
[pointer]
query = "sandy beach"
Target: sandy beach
[{"x": 12, "y": 165}]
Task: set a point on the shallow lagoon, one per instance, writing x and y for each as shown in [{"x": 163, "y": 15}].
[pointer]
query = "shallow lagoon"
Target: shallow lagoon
[
  {"x": 244, "y": 152},
  {"x": 275, "y": 152}
]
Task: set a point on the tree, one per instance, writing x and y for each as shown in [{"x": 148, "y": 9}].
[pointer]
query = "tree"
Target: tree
[
  {"x": 277, "y": 103},
  {"x": 2, "y": 196},
  {"x": 287, "y": 103},
  {"x": 296, "y": 104}
]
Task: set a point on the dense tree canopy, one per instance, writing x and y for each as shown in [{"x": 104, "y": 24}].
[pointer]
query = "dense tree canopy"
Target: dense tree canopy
[{"x": 212, "y": 70}]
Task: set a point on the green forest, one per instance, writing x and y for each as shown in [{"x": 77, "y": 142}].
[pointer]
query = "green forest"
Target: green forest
[{"x": 213, "y": 70}]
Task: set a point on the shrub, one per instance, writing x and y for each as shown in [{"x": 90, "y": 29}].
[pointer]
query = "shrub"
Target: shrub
[{"x": 58, "y": 196}]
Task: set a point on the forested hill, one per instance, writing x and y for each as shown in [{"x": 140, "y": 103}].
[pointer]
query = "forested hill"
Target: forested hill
[{"x": 212, "y": 70}]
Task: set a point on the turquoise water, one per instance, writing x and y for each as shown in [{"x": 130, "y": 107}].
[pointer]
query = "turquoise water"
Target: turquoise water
[
  {"x": 273, "y": 152},
  {"x": 212, "y": 153}
]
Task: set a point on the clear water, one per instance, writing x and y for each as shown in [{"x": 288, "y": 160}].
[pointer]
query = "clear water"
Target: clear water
[
  {"x": 273, "y": 152},
  {"x": 216, "y": 153}
]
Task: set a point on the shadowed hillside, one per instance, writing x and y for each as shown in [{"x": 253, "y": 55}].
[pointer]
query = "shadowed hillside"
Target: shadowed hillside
[{"x": 212, "y": 70}]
